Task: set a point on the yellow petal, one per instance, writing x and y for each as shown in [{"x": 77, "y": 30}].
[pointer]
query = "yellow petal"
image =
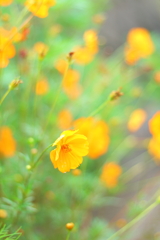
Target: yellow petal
[
  {"x": 53, "y": 157},
  {"x": 75, "y": 160},
  {"x": 63, "y": 163}
]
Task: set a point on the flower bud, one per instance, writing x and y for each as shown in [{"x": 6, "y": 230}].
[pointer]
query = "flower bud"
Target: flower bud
[{"x": 70, "y": 226}]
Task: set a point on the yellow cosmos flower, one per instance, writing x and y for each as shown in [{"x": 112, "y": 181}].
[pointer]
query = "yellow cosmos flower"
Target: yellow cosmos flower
[
  {"x": 5, "y": 2},
  {"x": 71, "y": 147}
]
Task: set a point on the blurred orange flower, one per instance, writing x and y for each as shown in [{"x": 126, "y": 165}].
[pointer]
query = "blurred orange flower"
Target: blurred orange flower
[
  {"x": 154, "y": 148},
  {"x": 154, "y": 125},
  {"x": 157, "y": 77},
  {"x": 42, "y": 87},
  {"x": 5, "y": 2},
  {"x": 61, "y": 65},
  {"x": 91, "y": 41},
  {"x": 71, "y": 147},
  {"x": 7, "y": 142},
  {"x": 137, "y": 118},
  {"x": 94, "y": 129},
  {"x": 65, "y": 119},
  {"x": 7, "y": 50},
  {"x": 110, "y": 174},
  {"x": 39, "y": 8},
  {"x": 70, "y": 84},
  {"x": 41, "y": 49},
  {"x": 140, "y": 45},
  {"x": 83, "y": 55}
]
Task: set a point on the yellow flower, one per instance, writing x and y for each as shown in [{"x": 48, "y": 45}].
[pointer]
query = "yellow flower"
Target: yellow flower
[
  {"x": 42, "y": 87},
  {"x": 110, "y": 174},
  {"x": 7, "y": 142},
  {"x": 136, "y": 120},
  {"x": 39, "y": 8},
  {"x": 5, "y": 2},
  {"x": 71, "y": 147}
]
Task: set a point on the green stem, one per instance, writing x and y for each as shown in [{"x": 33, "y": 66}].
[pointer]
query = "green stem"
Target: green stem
[
  {"x": 34, "y": 165},
  {"x": 4, "y": 96},
  {"x": 100, "y": 107},
  {"x": 134, "y": 221},
  {"x": 68, "y": 235}
]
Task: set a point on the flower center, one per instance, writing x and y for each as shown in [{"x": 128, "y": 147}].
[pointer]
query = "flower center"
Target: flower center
[{"x": 65, "y": 148}]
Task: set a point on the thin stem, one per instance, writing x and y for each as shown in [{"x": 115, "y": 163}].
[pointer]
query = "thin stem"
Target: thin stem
[
  {"x": 4, "y": 96},
  {"x": 134, "y": 221},
  {"x": 100, "y": 107},
  {"x": 57, "y": 95},
  {"x": 68, "y": 235},
  {"x": 34, "y": 165}
]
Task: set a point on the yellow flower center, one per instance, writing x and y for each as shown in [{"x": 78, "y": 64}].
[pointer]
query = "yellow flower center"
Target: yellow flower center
[{"x": 65, "y": 148}]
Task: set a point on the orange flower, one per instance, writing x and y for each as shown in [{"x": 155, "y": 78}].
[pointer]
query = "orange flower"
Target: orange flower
[
  {"x": 5, "y": 2},
  {"x": 140, "y": 45},
  {"x": 3, "y": 213},
  {"x": 157, "y": 77},
  {"x": 41, "y": 49},
  {"x": 71, "y": 147},
  {"x": 91, "y": 41},
  {"x": 136, "y": 119},
  {"x": 94, "y": 129},
  {"x": 83, "y": 55},
  {"x": 154, "y": 125},
  {"x": 7, "y": 142},
  {"x": 70, "y": 84},
  {"x": 110, "y": 174},
  {"x": 65, "y": 119},
  {"x": 42, "y": 87},
  {"x": 61, "y": 65},
  {"x": 39, "y": 8},
  {"x": 7, "y": 50},
  {"x": 154, "y": 148}
]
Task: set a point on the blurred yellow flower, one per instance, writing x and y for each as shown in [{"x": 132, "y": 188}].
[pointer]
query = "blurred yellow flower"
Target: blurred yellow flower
[
  {"x": 70, "y": 84},
  {"x": 7, "y": 142},
  {"x": 5, "y": 2},
  {"x": 94, "y": 129},
  {"x": 157, "y": 77},
  {"x": 3, "y": 213},
  {"x": 154, "y": 148},
  {"x": 65, "y": 119},
  {"x": 41, "y": 49},
  {"x": 61, "y": 65},
  {"x": 154, "y": 125},
  {"x": 110, "y": 174},
  {"x": 83, "y": 55},
  {"x": 137, "y": 118},
  {"x": 139, "y": 45},
  {"x": 39, "y": 8},
  {"x": 91, "y": 41},
  {"x": 70, "y": 148},
  {"x": 42, "y": 87},
  {"x": 7, "y": 50}
]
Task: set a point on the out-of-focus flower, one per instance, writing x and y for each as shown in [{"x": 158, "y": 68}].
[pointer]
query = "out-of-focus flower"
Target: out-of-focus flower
[
  {"x": 121, "y": 222},
  {"x": 65, "y": 119},
  {"x": 3, "y": 213},
  {"x": 7, "y": 50},
  {"x": 110, "y": 174},
  {"x": 41, "y": 49},
  {"x": 70, "y": 148},
  {"x": 137, "y": 118},
  {"x": 91, "y": 41},
  {"x": 61, "y": 65},
  {"x": 154, "y": 148},
  {"x": 157, "y": 77},
  {"x": 7, "y": 142},
  {"x": 15, "y": 83},
  {"x": 83, "y": 55},
  {"x": 5, "y": 2},
  {"x": 99, "y": 18},
  {"x": 139, "y": 45},
  {"x": 70, "y": 226},
  {"x": 42, "y": 87},
  {"x": 154, "y": 125},
  {"x": 39, "y": 8},
  {"x": 97, "y": 133},
  {"x": 70, "y": 84},
  {"x": 76, "y": 172}
]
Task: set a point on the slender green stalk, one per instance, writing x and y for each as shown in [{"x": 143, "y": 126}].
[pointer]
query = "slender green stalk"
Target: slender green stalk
[
  {"x": 100, "y": 107},
  {"x": 35, "y": 164},
  {"x": 57, "y": 95},
  {"x": 4, "y": 96},
  {"x": 134, "y": 221},
  {"x": 68, "y": 235}
]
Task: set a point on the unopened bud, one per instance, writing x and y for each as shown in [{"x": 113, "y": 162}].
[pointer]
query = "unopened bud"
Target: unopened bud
[
  {"x": 14, "y": 84},
  {"x": 70, "y": 226},
  {"x": 70, "y": 56},
  {"x": 115, "y": 95}
]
